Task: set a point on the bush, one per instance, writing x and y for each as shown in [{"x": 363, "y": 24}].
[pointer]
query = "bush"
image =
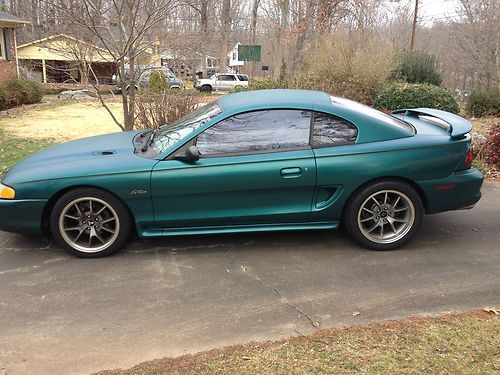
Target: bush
[
  {"x": 157, "y": 109},
  {"x": 4, "y": 99},
  {"x": 339, "y": 67},
  {"x": 256, "y": 84},
  {"x": 417, "y": 67},
  {"x": 484, "y": 103},
  {"x": 157, "y": 82},
  {"x": 20, "y": 91},
  {"x": 493, "y": 146},
  {"x": 399, "y": 95}
]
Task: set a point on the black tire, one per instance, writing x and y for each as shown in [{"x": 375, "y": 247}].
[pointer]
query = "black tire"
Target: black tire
[
  {"x": 128, "y": 89},
  {"x": 360, "y": 215},
  {"x": 78, "y": 200},
  {"x": 206, "y": 88}
]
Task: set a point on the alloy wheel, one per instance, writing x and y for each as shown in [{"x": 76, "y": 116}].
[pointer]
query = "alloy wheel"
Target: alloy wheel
[
  {"x": 386, "y": 216},
  {"x": 89, "y": 224}
]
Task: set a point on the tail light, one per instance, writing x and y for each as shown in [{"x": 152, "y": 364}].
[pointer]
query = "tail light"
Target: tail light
[{"x": 469, "y": 158}]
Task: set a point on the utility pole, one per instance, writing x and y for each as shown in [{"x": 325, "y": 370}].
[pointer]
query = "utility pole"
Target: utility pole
[{"x": 414, "y": 29}]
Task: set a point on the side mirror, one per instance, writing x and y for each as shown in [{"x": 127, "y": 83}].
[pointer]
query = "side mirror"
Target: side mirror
[{"x": 191, "y": 154}]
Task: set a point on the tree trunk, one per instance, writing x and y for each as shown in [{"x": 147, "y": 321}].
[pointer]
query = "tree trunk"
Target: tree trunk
[
  {"x": 253, "y": 31},
  {"x": 206, "y": 35},
  {"x": 129, "y": 116},
  {"x": 225, "y": 30},
  {"x": 280, "y": 58}
]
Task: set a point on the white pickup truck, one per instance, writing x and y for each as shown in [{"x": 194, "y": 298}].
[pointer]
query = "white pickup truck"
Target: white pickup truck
[{"x": 222, "y": 82}]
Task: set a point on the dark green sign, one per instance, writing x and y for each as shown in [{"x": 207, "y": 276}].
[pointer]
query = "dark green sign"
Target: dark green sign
[{"x": 249, "y": 52}]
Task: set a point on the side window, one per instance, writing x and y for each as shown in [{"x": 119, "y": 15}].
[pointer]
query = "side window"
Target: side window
[
  {"x": 2, "y": 44},
  {"x": 258, "y": 131},
  {"x": 226, "y": 77},
  {"x": 242, "y": 77},
  {"x": 330, "y": 130}
]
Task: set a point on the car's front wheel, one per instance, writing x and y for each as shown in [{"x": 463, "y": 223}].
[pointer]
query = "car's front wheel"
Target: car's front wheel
[
  {"x": 90, "y": 223},
  {"x": 384, "y": 215},
  {"x": 206, "y": 88}
]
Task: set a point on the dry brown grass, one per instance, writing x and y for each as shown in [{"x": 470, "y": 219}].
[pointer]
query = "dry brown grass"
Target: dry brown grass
[
  {"x": 450, "y": 344},
  {"x": 481, "y": 129},
  {"x": 60, "y": 121}
]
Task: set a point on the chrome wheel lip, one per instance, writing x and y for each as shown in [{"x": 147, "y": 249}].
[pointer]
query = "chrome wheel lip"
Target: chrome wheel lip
[
  {"x": 401, "y": 231},
  {"x": 73, "y": 244}
]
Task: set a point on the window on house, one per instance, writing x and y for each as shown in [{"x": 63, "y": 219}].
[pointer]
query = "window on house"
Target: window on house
[
  {"x": 331, "y": 130},
  {"x": 2, "y": 46},
  {"x": 5, "y": 52},
  {"x": 258, "y": 131}
]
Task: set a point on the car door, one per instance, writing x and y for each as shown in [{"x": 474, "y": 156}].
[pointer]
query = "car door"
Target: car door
[
  {"x": 225, "y": 82},
  {"x": 255, "y": 168},
  {"x": 333, "y": 140}
]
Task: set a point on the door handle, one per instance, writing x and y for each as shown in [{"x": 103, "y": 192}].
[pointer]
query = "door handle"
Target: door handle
[{"x": 291, "y": 172}]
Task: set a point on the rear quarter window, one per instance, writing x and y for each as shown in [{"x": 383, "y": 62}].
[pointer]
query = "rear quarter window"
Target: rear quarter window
[
  {"x": 372, "y": 112},
  {"x": 330, "y": 130}
]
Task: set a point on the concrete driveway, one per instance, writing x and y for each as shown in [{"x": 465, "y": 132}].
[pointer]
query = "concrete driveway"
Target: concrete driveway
[{"x": 170, "y": 296}]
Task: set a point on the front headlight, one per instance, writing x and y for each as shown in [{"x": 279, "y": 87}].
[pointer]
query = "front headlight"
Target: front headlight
[{"x": 6, "y": 192}]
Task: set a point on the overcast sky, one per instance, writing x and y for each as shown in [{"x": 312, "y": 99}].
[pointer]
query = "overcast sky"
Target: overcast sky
[
  {"x": 432, "y": 10},
  {"x": 437, "y": 8}
]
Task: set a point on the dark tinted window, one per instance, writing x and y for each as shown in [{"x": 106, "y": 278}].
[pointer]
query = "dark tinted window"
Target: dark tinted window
[
  {"x": 332, "y": 130},
  {"x": 227, "y": 78},
  {"x": 242, "y": 77},
  {"x": 257, "y": 131}
]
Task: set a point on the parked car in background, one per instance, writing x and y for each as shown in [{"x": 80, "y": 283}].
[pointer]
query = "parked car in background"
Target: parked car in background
[
  {"x": 172, "y": 81},
  {"x": 254, "y": 161},
  {"x": 222, "y": 82}
]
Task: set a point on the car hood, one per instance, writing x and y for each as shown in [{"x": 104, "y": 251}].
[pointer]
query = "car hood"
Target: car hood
[
  {"x": 104, "y": 154},
  {"x": 205, "y": 80}
]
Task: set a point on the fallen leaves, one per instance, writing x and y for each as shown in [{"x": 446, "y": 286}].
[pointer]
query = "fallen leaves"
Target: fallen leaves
[{"x": 491, "y": 310}]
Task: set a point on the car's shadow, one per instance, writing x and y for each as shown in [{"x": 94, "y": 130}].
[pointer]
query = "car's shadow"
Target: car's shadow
[{"x": 435, "y": 229}]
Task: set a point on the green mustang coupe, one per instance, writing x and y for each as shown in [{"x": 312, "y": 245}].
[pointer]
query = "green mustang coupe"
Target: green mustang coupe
[{"x": 253, "y": 161}]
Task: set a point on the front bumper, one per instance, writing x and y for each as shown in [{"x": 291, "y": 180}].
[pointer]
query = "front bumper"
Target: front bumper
[
  {"x": 462, "y": 189},
  {"x": 22, "y": 216}
]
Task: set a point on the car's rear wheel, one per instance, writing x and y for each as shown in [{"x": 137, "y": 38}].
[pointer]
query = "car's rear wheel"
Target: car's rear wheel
[
  {"x": 90, "y": 223},
  {"x": 384, "y": 216}
]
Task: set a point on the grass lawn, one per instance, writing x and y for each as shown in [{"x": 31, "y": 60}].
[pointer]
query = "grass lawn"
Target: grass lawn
[
  {"x": 13, "y": 149},
  {"x": 26, "y": 130},
  {"x": 61, "y": 121},
  {"x": 450, "y": 344}
]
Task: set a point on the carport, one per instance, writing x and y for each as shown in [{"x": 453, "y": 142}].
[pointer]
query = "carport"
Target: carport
[{"x": 63, "y": 59}]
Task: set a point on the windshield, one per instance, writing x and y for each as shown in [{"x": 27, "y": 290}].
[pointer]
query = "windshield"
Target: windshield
[{"x": 168, "y": 135}]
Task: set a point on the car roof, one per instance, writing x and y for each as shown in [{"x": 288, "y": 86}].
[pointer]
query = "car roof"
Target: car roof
[
  {"x": 273, "y": 98},
  {"x": 375, "y": 125}
]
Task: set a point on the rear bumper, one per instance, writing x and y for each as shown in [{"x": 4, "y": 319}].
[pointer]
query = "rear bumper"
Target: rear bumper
[
  {"x": 22, "y": 216},
  {"x": 460, "y": 190}
]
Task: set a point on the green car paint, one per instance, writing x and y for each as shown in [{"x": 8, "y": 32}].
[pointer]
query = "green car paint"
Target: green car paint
[{"x": 293, "y": 189}]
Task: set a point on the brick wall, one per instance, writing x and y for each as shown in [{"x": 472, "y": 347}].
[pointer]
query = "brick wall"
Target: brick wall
[{"x": 8, "y": 68}]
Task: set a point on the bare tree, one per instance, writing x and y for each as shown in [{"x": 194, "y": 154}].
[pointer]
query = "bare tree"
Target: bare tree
[
  {"x": 477, "y": 36},
  {"x": 225, "y": 31},
  {"x": 126, "y": 29}
]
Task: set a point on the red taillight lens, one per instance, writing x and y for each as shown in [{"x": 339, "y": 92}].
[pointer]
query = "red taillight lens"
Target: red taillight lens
[{"x": 469, "y": 158}]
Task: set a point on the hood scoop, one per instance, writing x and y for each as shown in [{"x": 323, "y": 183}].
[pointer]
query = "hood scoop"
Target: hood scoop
[{"x": 104, "y": 153}]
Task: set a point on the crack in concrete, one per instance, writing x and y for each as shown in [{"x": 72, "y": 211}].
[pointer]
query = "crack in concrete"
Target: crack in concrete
[
  {"x": 30, "y": 268},
  {"x": 283, "y": 299},
  {"x": 6, "y": 240}
]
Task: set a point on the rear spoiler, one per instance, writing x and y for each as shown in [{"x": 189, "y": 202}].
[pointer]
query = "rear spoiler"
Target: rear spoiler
[{"x": 458, "y": 125}]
